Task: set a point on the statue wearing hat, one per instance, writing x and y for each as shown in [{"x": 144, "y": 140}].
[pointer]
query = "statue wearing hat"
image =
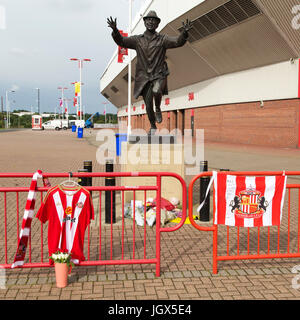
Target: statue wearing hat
[{"x": 151, "y": 68}]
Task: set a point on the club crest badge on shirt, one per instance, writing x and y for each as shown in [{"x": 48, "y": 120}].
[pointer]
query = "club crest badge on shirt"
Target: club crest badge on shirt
[
  {"x": 68, "y": 211},
  {"x": 79, "y": 205}
]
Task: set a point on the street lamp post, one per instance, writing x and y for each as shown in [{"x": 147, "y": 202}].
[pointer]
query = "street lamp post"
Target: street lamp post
[
  {"x": 7, "y": 108},
  {"x": 80, "y": 80},
  {"x": 67, "y": 108},
  {"x": 38, "y": 100},
  {"x": 2, "y": 114},
  {"x": 105, "y": 103},
  {"x": 62, "y": 96},
  {"x": 6, "y": 103}
]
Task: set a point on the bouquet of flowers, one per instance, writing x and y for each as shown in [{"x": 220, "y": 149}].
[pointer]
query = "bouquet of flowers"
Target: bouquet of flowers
[{"x": 62, "y": 257}]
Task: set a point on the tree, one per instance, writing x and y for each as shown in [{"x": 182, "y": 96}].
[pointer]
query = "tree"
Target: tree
[
  {"x": 2, "y": 122},
  {"x": 26, "y": 121}
]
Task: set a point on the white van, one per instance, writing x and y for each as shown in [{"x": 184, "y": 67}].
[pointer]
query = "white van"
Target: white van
[
  {"x": 53, "y": 124},
  {"x": 64, "y": 124},
  {"x": 77, "y": 123}
]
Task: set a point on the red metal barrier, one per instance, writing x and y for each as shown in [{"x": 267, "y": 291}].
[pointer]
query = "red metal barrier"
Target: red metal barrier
[
  {"x": 135, "y": 256},
  {"x": 273, "y": 236}
]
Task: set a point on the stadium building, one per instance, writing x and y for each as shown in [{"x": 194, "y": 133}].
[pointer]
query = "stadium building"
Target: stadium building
[{"x": 237, "y": 77}]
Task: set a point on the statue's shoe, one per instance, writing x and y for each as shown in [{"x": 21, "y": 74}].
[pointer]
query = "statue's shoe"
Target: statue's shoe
[{"x": 158, "y": 116}]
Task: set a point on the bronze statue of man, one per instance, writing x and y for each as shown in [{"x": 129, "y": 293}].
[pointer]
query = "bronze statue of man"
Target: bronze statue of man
[{"x": 151, "y": 68}]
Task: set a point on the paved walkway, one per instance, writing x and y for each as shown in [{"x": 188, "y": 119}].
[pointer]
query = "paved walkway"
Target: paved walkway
[{"x": 186, "y": 267}]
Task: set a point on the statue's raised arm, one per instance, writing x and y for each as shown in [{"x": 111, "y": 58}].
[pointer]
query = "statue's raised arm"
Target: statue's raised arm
[
  {"x": 187, "y": 25},
  {"x": 112, "y": 23}
]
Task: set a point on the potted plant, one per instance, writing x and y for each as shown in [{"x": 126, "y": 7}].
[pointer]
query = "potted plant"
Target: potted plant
[{"x": 63, "y": 266}]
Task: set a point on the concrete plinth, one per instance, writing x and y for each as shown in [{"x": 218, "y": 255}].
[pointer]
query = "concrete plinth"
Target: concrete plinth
[{"x": 152, "y": 154}]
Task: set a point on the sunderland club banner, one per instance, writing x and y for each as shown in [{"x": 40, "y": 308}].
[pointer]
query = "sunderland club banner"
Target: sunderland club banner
[
  {"x": 122, "y": 51},
  {"x": 248, "y": 201}
]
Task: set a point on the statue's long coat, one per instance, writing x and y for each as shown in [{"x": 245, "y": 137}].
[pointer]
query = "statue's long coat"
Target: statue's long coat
[{"x": 151, "y": 55}]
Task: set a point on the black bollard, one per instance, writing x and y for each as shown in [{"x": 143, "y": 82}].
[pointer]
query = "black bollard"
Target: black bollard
[
  {"x": 88, "y": 165},
  {"x": 110, "y": 196},
  {"x": 82, "y": 180},
  {"x": 204, "y": 181}
]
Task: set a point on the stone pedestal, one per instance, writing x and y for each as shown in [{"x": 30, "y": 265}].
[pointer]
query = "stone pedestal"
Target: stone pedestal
[{"x": 152, "y": 154}]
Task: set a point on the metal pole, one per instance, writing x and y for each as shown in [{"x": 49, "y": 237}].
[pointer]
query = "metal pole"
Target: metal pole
[
  {"x": 129, "y": 72},
  {"x": 2, "y": 115},
  {"x": 80, "y": 81},
  {"x": 38, "y": 92},
  {"x": 63, "y": 99},
  {"x": 77, "y": 104},
  {"x": 67, "y": 113},
  {"x": 8, "y": 113},
  {"x": 204, "y": 181},
  {"x": 6, "y": 104},
  {"x": 80, "y": 77},
  {"x": 105, "y": 103},
  {"x": 8, "y": 108},
  {"x": 110, "y": 196},
  {"x": 88, "y": 165}
]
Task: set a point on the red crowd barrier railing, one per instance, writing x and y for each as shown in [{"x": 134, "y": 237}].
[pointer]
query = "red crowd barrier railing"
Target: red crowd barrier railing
[
  {"x": 122, "y": 260},
  {"x": 272, "y": 248}
]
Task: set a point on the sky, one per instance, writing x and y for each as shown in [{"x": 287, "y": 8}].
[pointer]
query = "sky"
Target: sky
[{"x": 37, "y": 40}]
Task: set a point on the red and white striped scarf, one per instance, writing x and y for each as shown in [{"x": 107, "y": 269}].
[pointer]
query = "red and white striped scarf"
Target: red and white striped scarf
[{"x": 27, "y": 219}]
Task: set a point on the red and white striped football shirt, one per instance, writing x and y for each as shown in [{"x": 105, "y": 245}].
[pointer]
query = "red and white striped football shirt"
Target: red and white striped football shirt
[{"x": 68, "y": 211}]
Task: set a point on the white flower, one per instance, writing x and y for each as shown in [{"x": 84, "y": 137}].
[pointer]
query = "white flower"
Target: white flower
[
  {"x": 54, "y": 256},
  {"x": 60, "y": 257}
]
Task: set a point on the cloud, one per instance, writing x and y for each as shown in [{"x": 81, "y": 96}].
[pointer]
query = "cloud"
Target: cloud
[
  {"x": 17, "y": 51},
  {"x": 14, "y": 87},
  {"x": 71, "y": 5}
]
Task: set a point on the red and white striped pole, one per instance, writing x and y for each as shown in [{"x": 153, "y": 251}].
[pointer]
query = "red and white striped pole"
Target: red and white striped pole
[
  {"x": 105, "y": 103},
  {"x": 62, "y": 98}
]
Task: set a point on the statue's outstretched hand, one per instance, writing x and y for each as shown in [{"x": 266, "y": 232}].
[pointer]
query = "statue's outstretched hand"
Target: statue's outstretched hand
[
  {"x": 187, "y": 25},
  {"x": 112, "y": 23}
]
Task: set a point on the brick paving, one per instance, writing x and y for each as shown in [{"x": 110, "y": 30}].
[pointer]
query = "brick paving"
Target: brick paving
[{"x": 186, "y": 255}]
